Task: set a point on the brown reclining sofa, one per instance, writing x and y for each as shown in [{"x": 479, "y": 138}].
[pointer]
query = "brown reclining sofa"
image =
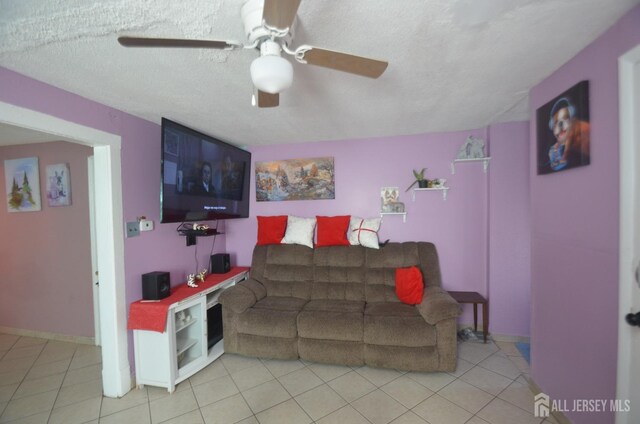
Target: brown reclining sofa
[{"x": 338, "y": 305}]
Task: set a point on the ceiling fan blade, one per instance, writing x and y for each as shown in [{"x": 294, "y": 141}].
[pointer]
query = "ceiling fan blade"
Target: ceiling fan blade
[
  {"x": 345, "y": 62},
  {"x": 280, "y": 13},
  {"x": 172, "y": 42},
  {"x": 268, "y": 99}
]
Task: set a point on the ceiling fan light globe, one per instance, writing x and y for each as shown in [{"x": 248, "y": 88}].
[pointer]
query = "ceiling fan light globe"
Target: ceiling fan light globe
[{"x": 271, "y": 74}]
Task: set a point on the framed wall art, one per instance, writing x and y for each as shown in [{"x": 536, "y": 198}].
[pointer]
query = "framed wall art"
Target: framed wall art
[
  {"x": 563, "y": 131},
  {"x": 390, "y": 200},
  {"x": 295, "y": 179},
  {"x": 58, "y": 185},
  {"x": 22, "y": 182}
]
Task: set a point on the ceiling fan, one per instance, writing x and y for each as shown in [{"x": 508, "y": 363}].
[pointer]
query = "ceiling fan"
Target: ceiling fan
[{"x": 268, "y": 25}]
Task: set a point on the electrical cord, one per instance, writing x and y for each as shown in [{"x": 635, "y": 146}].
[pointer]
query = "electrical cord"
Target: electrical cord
[{"x": 214, "y": 238}]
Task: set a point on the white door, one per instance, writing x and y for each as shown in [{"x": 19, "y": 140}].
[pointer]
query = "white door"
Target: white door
[
  {"x": 95, "y": 281},
  {"x": 628, "y": 383}
]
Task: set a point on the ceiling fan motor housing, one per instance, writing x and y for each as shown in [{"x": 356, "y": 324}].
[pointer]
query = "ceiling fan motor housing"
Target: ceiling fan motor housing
[{"x": 251, "y": 13}]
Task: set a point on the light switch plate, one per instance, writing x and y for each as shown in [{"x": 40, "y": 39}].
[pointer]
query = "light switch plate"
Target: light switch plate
[{"x": 133, "y": 229}]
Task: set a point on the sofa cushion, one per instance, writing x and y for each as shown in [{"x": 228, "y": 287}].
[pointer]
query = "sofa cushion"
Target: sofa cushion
[
  {"x": 272, "y": 316},
  {"x": 331, "y": 320},
  {"x": 280, "y": 303},
  {"x": 364, "y": 232},
  {"x": 332, "y": 305},
  {"x": 409, "y": 285},
  {"x": 268, "y": 323},
  {"x": 381, "y": 268},
  {"x": 299, "y": 231},
  {"x": 287, "y": 270},
  {"x": 271, "y": 229},
  {"x": 338, "y": 273},
  {"x": 332, "y": 230},
  {"x": 396, "y": 324}
]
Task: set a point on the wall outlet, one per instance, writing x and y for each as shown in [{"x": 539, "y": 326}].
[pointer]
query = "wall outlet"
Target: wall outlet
[
  {"x": 146, "y": 225},
  {"x": 133, "y": 229}
]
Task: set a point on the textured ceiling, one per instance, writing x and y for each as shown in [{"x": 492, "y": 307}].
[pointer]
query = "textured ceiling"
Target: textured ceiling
[{"x": 453, "y": 64}]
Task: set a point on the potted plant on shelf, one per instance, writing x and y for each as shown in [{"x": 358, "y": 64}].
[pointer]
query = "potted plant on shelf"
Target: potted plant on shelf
[{"x": 422, "y": 182}]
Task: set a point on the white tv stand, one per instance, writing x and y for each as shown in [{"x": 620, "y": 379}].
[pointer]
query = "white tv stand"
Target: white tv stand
[{"x": 165, "y": 359}]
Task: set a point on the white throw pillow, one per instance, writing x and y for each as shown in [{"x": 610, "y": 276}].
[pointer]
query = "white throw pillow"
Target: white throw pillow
[
  {"x": 364, "y": 232},
  {"x": 299, "y": 231}
]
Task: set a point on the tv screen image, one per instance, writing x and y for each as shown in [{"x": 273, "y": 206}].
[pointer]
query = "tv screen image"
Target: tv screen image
[{"x": 203, "y": 178}]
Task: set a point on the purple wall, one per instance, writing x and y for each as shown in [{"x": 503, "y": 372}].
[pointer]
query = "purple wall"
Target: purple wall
[
  {"x": 160, "y": 249},
  {"x": 458, "y": 226},
  {"x": 509, "y": 224},
  {"x": 575, "y": 237},
  {"x": 45, "y": 260}
]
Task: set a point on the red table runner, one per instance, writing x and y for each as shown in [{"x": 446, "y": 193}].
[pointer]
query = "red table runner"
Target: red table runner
[{"x": 152, "y": 316}]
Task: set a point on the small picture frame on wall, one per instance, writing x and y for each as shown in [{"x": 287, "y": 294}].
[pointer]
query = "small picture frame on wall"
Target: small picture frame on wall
[
  {"x": 58, "y": 185},
  {"x": 563, "y": 131},
  {"x": 390, "y": 200},
  {"x": 22, "y": 183}
]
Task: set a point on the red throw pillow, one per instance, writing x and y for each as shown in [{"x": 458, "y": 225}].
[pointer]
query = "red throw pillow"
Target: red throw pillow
[
  {"x": 409, "y": 285},
  {"x": 332, "y": 230},
  {"x": 271, "y": 229}
]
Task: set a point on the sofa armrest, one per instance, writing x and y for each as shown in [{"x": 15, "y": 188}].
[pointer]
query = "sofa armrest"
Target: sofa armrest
[
  {"x": 438, "y": 305},
  {"x": 237, "y": 298},
  {"x": 259, "y": 291}
]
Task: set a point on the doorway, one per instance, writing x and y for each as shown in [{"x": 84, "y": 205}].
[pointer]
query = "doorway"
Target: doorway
[
  {"x": 95, "y": 280},
  {"x": 628, "y": 375},
  {"x": 116, "y": 374}
]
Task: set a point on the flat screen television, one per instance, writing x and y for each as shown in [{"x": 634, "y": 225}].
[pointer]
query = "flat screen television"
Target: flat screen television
[{"x": 203, "y": 178}]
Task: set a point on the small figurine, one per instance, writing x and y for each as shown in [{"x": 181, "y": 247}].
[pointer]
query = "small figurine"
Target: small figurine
[
  {"x": 473, "y": 148},
  {"x": 201, "y": 275},
  {"x": 439, "y": 182},
  {"x": 181, "y": 318},
  {"x": 191, "y": 280}
]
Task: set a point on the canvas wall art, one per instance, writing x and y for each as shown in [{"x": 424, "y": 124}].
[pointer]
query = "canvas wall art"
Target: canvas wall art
[
  {"x": 58, "y": 185},
  {"x": 563, "y": 131},
  {"x": 295, "y": 179},
  {"x": 22, "y": 182}
]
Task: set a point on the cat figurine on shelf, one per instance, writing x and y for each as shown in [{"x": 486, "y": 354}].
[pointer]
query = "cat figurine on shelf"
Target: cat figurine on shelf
[{"x": 191, "y": 280}]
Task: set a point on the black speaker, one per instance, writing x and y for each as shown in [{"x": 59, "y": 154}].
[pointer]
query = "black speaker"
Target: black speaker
[
  {"x": 220, "y": 263},
  {"x": 155, "y": 285}
]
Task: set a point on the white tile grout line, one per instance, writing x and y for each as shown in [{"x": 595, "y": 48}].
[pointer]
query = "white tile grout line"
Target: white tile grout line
[
  {"x": 59, "y": 389},
  {"x": 305, "y": 365}
]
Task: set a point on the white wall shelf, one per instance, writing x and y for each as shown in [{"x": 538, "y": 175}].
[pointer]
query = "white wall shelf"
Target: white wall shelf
[
  {"x": 444, "y": 191},
  {"x": 404, "y": 215},
  {"x": 485, "y": 162}
]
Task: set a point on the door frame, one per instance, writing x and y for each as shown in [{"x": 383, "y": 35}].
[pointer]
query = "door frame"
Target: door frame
[
  {"x": 629, "y": 133},
  {"x": 95, "y": 279},
  {"x": 116, "y": 372}
]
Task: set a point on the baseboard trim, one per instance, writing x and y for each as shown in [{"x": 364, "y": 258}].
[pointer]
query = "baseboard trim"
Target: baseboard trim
[
  {"x": 557, "y": 415},
  {"x": 49, "y": 336},
  {"x": 498, "y": 337}
]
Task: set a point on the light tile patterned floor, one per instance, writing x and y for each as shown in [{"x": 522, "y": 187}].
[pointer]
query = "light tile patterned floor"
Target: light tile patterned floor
[{"x": 44, "y": 381}]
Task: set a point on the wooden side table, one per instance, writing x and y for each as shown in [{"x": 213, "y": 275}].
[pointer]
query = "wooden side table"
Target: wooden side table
[{"x": 475, "y": 298}]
